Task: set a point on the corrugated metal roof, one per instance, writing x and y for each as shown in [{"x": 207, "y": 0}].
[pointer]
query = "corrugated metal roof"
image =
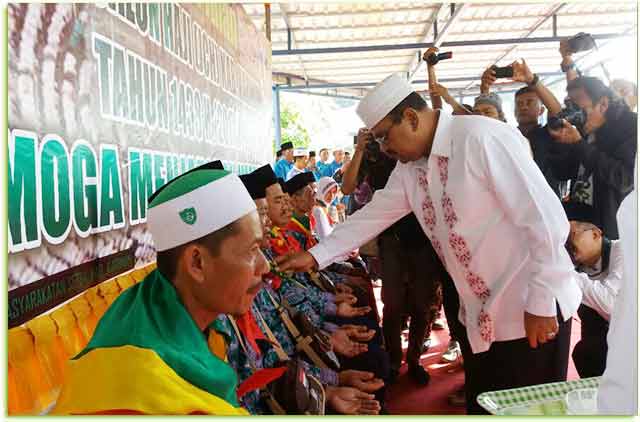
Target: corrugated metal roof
[{"x": 338, "y": 25}]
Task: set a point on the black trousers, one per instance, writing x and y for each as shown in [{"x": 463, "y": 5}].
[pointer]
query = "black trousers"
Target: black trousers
[
  {"x": 590, "y": 353},
  {"x": 513, "y": 364},
  {"x": 451, "y": 305},
  {"x": 410, "y": 281}
]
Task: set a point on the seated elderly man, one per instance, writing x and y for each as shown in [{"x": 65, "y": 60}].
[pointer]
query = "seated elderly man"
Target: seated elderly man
[{"x": 150, "y": 353}]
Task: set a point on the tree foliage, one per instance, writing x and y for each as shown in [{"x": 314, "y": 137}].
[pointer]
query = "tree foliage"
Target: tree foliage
[{"x": 292, "y": 129}]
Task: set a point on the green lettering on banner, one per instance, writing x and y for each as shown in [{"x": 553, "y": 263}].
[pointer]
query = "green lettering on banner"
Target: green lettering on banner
[
  {"x": 167, "y": 25},
  {"x": 154, "y": 21},
  {"x": 142, "y": 18},
  {"x": 85, "y": 193},
  {"x": 183, "y": 164},
  {"x": 24, "y": 232},
  {"x": 196, "y": 47},
  {"x": 178, "y": 20},
  {"x": 196, "y": 116},
  {"x": 181, "y": 110},
  {"x": 111, "y": 212},
  {"x": 129, "y": 13},
  {"x": 188, "y": 112},
  {"x": 172, "y": 167},
  {"x": 102, "y": 51},
  {"x": 187, "y": 39},
  {"x": 206, "y": 60},
  {"x": 207, "y": 117},
  {"x": 163, "y": 101},
  {"x": 175, "y": 123},
  {"x": 150, "y": 93},
  {"x": 135, "y": 89},
  {"x": 56, "y": 196},
  {"x": 31, "y": 302},
  {"x": 120, "y": 92},
  {"x": 159, "y": 171},
  {"x": 140, "y": 185}
]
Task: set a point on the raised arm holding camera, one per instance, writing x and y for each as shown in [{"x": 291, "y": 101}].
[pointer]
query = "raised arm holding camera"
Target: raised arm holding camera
[
  {"x": 530, "y": 103},
  {"x": 438, "y": 92}
]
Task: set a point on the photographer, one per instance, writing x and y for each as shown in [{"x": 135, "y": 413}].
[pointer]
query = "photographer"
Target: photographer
[
  {"x": 598, "y": 155},
  {"x": 530, "y": 103},
  {"x": 410, "y": 267}
]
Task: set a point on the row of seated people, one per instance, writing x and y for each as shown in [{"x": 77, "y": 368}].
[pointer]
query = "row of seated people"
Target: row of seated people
[
  {"x": 38, "y": 350},
  {"x": 325, "y": 322}
]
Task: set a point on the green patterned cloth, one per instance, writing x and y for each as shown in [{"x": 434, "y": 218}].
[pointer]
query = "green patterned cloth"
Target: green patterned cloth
[{"x": 543, "y": 399}]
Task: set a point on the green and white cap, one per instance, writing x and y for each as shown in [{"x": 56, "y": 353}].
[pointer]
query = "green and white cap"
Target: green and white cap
[{"x": 196, "y": 204}]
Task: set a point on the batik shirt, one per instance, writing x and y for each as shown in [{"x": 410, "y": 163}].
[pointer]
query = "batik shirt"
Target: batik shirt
[
  {"x": 300, "y": 290},
  {"x": 267, "y": 310},
  {"x": 303, "y": 298}
]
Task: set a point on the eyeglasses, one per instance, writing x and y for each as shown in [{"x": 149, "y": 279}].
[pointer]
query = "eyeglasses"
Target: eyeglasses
[{"x": 384, "y": 139}]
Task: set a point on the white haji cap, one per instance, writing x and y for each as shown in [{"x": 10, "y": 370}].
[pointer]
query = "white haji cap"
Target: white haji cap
[
  {"x": 188, "y": 208},
  {"x": 382, "y": 99},
  {"x": 299, "y": 152}
]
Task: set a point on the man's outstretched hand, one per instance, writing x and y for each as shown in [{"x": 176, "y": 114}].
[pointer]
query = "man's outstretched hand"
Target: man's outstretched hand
[{"x": 297, "y": 262}]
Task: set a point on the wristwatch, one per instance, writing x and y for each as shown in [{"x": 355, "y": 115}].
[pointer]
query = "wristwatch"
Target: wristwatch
[{"x": 534, "y": 81}]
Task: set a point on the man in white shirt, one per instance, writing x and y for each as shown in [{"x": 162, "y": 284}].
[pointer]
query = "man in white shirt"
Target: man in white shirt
[
  {"x": 493, "y": 220},
  {"x": 599, "y": 262}
]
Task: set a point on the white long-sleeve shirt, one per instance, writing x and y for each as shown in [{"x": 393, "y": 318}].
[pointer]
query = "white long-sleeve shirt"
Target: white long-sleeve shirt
[
  {"x": 618, "y": 391},
  {"x": 599, "y": 292},
  {"x": 491, "y": 217}
]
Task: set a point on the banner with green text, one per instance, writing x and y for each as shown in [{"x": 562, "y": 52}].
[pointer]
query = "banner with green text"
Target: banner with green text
[{"x": 108, "y": 102}]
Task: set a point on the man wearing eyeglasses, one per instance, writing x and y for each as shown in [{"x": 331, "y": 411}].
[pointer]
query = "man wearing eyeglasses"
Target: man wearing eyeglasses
[{"x": 493, "y": 220}]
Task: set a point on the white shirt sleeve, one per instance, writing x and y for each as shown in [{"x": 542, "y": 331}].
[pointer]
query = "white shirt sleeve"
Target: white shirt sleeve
[
  {"x": 323, "y": 226},
  {"x": 387, "y": 206},
  {"x": 600, "y": 295},
  {"x": 531, "y": 205}
]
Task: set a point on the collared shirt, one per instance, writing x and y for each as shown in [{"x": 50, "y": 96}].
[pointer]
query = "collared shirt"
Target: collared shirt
[
  {"x": 294, "y": 171},
  {"x": 491, "y": 217},
  {"x": 324, "y": 169},
  {"x": 332, "y": 168},
  {"x": 599, "y": 285},
  {"x": 282, "y": 168}
]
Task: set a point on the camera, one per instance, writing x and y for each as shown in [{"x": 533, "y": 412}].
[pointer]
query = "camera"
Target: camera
[
  {"x": 503, "y": 72},
  {"x": 372, "y": 147},
  {"x": 433, "y": 58},
  {"x": 571, "y": 112},
  {"x": 581, "y": 42}
]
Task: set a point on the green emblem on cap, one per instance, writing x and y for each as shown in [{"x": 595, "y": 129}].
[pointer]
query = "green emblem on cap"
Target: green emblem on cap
[{"x": 189, "y": 216}]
